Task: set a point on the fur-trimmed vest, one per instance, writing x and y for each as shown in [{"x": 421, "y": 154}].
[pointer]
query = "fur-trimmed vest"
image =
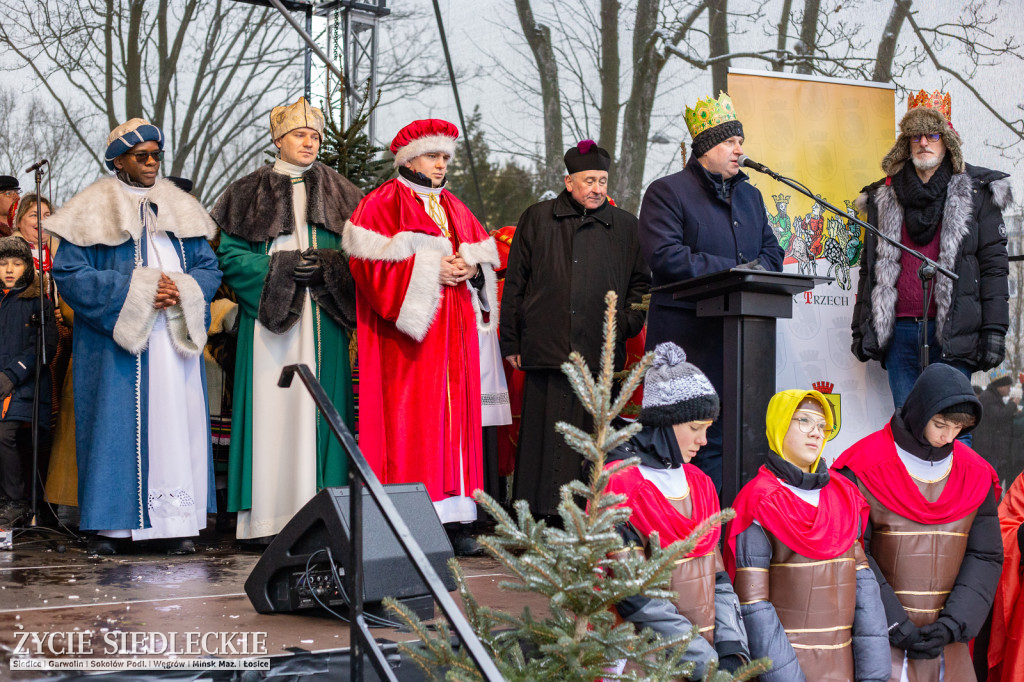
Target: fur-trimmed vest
[
  {"x": 258, "y": 208},
  {"x": 972, "y": 244}
]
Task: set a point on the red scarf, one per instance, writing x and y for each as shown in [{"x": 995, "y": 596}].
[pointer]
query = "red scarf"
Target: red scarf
[
  {"x": 653, "y": 512},
  {"x": 47, "y": 260},
  {"x": 878, "y": 466},
  {"x": 818, "y": 533}
]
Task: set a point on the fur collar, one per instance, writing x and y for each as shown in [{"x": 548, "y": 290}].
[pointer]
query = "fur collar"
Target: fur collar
[
  {"x": 956, "y": 218},
  {"x": 258, "y": 207},
  {"x": 103, "y": 213},
  {"x": 32, "y": 289}
]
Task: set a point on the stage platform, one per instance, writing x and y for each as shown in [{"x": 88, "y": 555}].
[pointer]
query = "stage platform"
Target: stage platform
[{"x": 136, "y": 600}]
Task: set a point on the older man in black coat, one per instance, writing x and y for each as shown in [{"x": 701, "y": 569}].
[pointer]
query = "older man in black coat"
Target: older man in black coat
[
  {"x": 567, "y": 253},
  {"x": 703, "y": 219}
]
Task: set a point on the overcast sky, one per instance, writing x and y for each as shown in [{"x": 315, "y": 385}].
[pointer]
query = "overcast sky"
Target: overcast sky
[{"x": 481, "y": 32}]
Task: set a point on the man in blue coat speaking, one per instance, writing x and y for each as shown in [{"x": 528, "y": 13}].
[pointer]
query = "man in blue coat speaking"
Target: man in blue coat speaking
[{"x": 703, "y": 219}]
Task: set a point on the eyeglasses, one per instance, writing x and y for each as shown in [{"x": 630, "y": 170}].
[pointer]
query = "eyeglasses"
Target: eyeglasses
[
  {"x": 932, "y": 137},
  {"x": 142, "y": 157},
  {"x": 808, "y": 425},
  {"x": 11, "y": 192}
]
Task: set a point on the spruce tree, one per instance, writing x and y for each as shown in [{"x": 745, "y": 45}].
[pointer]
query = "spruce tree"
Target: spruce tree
[
  {"x": 350, "y": 151},
  {"x": 579, "y": 639}
]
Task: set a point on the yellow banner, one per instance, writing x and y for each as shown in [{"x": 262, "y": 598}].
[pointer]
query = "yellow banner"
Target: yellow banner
[{"x": 831, "y": 136}]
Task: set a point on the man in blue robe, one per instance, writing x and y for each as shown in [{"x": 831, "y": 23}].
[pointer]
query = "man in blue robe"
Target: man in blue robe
[{"x": 135, "y": 266}]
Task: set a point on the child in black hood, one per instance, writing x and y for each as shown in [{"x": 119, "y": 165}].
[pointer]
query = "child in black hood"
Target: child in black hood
[{"x": 933, "y": 536}]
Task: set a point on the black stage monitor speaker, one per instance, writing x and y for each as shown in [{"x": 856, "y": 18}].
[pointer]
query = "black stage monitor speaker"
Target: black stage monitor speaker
[{"x": 280, "y": 581}]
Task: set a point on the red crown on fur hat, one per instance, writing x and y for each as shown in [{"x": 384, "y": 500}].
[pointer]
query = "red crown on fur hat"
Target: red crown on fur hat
[
  {"x": 423, "y": 137},
  {"x": 823, "y": 386},
  {"x": 932, "y": 100}
]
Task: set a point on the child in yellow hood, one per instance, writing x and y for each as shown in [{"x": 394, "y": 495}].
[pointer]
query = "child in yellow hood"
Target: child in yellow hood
[{"x": 808, "y": 597}]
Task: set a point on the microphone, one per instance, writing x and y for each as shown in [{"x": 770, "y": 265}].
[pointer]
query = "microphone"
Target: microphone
[
  {"x": 745, "y": 160},
  {"x": 37, "y": 166}
]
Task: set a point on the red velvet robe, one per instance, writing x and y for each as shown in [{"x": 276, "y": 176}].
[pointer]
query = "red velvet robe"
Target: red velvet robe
[
  {"x": 1006, "y": 647},
  {"x": 419, "y": 357}
]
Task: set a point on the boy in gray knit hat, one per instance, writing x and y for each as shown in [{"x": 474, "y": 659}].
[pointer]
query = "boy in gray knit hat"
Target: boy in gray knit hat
[{"x": 669, "y": 495}]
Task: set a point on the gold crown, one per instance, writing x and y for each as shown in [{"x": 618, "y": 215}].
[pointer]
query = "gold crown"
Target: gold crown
[
  {"x": 781, "y": 198},
  {"x": 707, "y": 113},
  {"x": 932, "y": 100},
  {"x": 287, "y": 118}
]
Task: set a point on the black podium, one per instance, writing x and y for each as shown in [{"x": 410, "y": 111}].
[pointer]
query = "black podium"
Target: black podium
[{"x": 749, "y": 302}]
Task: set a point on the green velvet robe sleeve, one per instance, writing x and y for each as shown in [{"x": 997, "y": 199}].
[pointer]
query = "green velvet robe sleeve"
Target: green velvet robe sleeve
[{"x": 246, "y": 265}]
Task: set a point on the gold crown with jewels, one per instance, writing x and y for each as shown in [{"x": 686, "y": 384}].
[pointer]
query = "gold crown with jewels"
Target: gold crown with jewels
[{"x": 708, "y": 113}]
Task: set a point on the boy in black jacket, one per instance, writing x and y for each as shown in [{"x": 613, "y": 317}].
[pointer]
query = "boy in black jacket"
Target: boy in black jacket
[{"x": 19, "y": 329}]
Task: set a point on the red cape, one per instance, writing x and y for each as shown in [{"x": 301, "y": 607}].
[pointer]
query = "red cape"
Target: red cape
[
  {"x": 419, "y": 357},
  {"x": 653, "y": 512},
  {"x": 818, "y": 533},
  {"x": 1006, "y": 647},
  {"x": 878, "y": 466}
]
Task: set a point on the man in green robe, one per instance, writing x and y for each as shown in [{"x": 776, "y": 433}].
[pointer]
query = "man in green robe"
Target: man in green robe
[{"x": 280, "y": 240}]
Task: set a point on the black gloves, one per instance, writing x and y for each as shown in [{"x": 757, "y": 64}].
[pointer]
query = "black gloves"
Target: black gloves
[
  {"x": 934, "y": 639},
  {"x": 905, "y": 636},
  {"x": 992, "y": 349},
  {"x": 6, "y": 386},
  {"x": 731, "y": 663},
  {"x": 310, "y": 270}
]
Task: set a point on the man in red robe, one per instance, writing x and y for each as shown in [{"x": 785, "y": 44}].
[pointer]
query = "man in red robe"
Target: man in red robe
[{"x": 424, "y": 273}]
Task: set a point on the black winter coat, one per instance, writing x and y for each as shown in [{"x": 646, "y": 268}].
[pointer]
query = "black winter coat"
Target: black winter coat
[
  {"x": 972, "y": 244},
  {"x": 562, "y": 262},
  {"x": 18, "y": 351},
  {"x": 687, "y": 230}
]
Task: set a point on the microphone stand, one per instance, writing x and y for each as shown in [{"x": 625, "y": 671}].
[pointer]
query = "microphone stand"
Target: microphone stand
[
  {"x": 926, "y": 272},
  {"x": 41, "y": 359}
]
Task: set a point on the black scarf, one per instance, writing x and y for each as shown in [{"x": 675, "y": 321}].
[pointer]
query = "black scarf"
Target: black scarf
[
  {"x": 790, "y": 473},
  {"x": 904, "y": 438},
  {"x": 418, "y": 178},
  {"x": 656, "y": 446},
  {"x": 922, "y": 202}
]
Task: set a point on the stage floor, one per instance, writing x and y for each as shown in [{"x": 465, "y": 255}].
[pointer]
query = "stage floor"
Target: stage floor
[{"x": 129, "y": 601}]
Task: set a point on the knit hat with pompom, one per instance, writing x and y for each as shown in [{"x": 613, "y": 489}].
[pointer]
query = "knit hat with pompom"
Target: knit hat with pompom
[{"x": 676, "y": 391}]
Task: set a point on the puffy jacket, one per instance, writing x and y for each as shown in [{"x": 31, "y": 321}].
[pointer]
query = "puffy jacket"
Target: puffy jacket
[
  {"x": 18, "y": 350},
  {"x": 972, "y": 244}
]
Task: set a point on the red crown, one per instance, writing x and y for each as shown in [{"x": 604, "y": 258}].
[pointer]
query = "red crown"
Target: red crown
[
  {"x": 823, "y": 386},
  {"x": 932, "y": 100}
]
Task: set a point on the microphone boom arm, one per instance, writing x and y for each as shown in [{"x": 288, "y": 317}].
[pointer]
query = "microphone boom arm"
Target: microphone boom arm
[{"x": 867, "y": 226}]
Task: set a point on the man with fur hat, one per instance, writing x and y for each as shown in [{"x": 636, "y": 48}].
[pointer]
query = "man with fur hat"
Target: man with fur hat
[
  {"x": 808, "y": 596},
  {"x": 951, "y": 212},
  {"x": 136, "y": 267},
  {"x": 19, "y": 309},
  {"x": 567, "y": 254},
  {"x": 424, "y": 272},
  {"x": 668, "y": 495},
  {"x": 933, "y": 536},
  {"x": 281, "y": 230},
  {"x": 703, "y": 219}
]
